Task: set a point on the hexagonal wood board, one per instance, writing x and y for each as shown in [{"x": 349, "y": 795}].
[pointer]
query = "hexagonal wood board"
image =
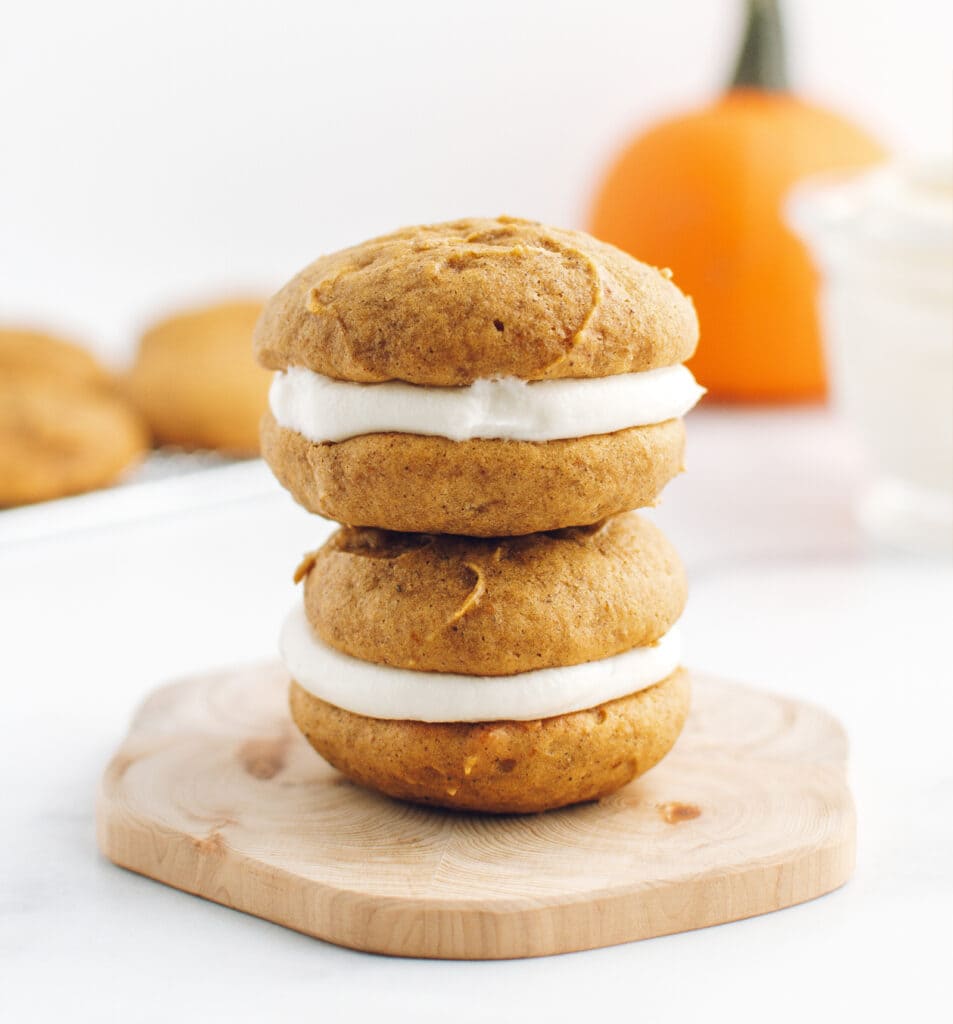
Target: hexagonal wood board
[{"x": 215, "y": 792}]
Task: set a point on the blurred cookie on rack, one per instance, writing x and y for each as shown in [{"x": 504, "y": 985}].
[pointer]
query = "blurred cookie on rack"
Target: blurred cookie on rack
[
  {"x": 63, "y": 428},
  {"x": 195, "y": 381},
  {"x": 24, "y": 351}
]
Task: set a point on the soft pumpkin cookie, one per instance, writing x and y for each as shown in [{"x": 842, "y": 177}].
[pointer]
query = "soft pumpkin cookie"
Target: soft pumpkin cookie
[
  {"x": 448, "y": 304},
  {"x": 483, "y": 487},
  {"x": 494, "y": 607},
  {"x": 501, "y": 767},
  {"x": 196, "y": 383}
]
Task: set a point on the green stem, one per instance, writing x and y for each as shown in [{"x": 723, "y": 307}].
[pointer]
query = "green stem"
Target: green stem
[{"x": 762, "y": 63}]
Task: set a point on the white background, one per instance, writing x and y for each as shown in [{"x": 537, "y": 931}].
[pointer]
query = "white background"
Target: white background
[{"x": 152, "y": 152}]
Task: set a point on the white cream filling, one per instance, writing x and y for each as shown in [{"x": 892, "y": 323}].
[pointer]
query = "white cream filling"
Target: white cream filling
[
  {"x": 323, "y": 409},
  {"x": 379, "y": 691}
]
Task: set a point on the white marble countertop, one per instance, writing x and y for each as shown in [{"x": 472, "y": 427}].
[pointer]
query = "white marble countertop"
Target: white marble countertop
[{"x": 785, "y": 594}]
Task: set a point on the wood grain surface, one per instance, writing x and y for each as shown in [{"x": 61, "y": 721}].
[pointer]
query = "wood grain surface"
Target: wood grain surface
[{"x": 215, "y": 792}]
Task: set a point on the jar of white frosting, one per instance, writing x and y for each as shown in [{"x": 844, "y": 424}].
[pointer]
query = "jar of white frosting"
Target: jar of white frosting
[{"x": 883, "y": 243}]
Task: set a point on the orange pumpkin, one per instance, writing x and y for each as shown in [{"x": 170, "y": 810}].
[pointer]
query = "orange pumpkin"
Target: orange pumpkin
[{"x": 703, "y": 194}]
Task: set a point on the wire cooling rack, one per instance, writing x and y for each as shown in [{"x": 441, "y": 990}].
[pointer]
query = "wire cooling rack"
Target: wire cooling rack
[{"x": 167, "y": 482}]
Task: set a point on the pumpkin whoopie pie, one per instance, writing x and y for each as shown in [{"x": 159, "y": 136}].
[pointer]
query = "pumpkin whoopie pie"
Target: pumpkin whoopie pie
[
  {"x": 480, "y": 377},
  {"x": 491, "y": 674}
]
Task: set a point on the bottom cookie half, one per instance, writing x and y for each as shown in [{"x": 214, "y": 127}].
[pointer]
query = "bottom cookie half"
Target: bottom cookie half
[
  {"x": 501, "y": 767},
  {"x": 479, "y": 488}
]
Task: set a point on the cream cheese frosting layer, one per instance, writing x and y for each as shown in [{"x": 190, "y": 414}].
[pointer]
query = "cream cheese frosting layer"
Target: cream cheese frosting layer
[
  {"x": 380, "y": 691},
  {"x": 323, "y": 409}
]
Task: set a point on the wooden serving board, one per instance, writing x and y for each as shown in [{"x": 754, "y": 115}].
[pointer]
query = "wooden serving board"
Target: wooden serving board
[{"x": 215, "y": 792}]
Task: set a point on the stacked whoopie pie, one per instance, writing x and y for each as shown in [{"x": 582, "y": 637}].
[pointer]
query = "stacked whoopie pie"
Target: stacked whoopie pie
[{"x": 482, "y": 403}]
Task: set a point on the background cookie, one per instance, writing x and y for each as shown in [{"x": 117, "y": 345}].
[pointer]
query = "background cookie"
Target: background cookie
[
  {"x": 501, "y": 767},
  {"x": 24, "y": 351},
  {"x": 58, "y": 439},
  {"x": 494, "y": 607},
  {"x": 447, "y": 304},
  {"x": 196, "y": 383},
  {"x": 483, "y": 487}
]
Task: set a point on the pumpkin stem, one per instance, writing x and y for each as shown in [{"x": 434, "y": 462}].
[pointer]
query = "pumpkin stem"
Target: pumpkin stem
[{"x": 762, "y": 63}]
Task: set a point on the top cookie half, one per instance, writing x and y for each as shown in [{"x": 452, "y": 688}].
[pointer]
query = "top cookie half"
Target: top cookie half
[{"x": 450, "y": 304}]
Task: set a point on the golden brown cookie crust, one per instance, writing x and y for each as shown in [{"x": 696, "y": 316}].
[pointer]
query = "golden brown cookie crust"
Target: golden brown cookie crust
[
  {"x": 501, "y": 767},
  {"x": 60, "y": 438},
  {"x": 196, "y": 382},
  {"x": 479, "y": 488},
  {"x": 37, "y": 354},
  {"x": 494, "y": 607},
  {"x": 448, "y": 304}
]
